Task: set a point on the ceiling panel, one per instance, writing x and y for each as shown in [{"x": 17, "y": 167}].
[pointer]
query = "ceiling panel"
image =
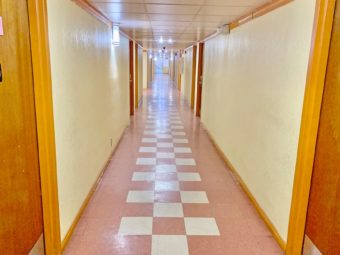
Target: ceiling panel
[
  {"x": 166, "y": 18},
  {"x": 237, "y": 2},
  {"x": 172, "y": 9},
  {"x": 179, "y": 2},
  {"x": 224, "y": 10},
  {"x": 184, "y": 21},
  {"x": 120, "y": 7},
  {"x": 120, "y": 16}
]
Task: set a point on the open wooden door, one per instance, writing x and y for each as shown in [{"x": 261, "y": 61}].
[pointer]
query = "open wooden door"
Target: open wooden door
[
  {"x": 132, "y": 77},
  {"x": 323, "y": 219},
  {"x": 199, "y": 79},
  {"x": 21, "y": 220}
]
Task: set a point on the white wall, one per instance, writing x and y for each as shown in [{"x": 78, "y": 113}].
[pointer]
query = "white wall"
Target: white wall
[
  {"x": 91, "y": 101},
  {"x": 187, "y": 75},
  {"x": 253, "y": 89}
]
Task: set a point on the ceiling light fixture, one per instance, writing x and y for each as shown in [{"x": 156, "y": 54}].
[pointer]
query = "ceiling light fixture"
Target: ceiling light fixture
[
  {"x": 170, "y": 41},
  {"x": 115, "y": 35},
  {"x": 161, "y": 40}
]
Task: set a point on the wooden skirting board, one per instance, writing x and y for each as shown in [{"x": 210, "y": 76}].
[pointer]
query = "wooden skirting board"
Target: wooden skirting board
[
  {"x": 245, "y": 188},
  {"x": 88, "y": 198}
]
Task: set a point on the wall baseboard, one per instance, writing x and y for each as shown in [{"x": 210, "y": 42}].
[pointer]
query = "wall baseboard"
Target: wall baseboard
[
  {"x": 88, "y": 197},
  {"x": 250, "y": 196}
]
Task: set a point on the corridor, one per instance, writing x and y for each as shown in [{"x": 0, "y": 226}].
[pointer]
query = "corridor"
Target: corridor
[{"x": 166, "y": 191}]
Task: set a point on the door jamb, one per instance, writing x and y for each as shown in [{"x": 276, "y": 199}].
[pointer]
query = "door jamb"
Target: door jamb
[
  {"x": 309, "y": 124},
  {"x": 37, "y": 11},
  {"x": 136, "y": 76},
  {"x": 193, "y": 77}
]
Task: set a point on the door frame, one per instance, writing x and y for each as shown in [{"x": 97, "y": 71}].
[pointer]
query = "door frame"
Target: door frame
[
  {"x": 136, "y": 76},
  {"x": 315, "y": 82},
  {"x": 37, "y": 12},
  {"x": 193, "y": 77},
  {"x": 132, "y": 78},
  {"x": 199, "y": 73}
]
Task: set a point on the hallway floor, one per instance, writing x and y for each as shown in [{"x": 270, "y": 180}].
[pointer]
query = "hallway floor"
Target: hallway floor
[{"x": 166, "y": 191}]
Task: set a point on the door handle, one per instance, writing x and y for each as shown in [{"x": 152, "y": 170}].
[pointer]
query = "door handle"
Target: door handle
[{"x": 0, "y": 73}]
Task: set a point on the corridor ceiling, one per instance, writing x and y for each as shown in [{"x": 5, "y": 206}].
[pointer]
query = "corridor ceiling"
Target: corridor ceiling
[{"x": 179, "y": 23}]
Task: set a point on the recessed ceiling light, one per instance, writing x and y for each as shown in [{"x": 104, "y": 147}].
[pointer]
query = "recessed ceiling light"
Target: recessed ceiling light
[
  {"x": 170, "y": 41},
  {"x": 161, "y": 40}
]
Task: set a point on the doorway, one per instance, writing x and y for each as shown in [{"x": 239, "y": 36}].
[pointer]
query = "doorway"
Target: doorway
[
  {"x": 21, "y": 222},
  {"x": 199, "y": 79}
]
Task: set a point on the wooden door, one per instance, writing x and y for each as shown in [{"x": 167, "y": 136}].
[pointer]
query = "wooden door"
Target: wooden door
[
  {"x": 323, "y": 219},
  {"x": 199, "y": 79},
  {"x": 132, "y": 77},
  {"x": 21, "y": 222}
]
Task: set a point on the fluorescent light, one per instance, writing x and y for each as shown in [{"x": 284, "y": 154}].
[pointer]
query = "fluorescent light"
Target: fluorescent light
[
  {"x": 170, "y": 41},
  {"x": 161, "y": 40},
  {"x": 115, "y": 35}
]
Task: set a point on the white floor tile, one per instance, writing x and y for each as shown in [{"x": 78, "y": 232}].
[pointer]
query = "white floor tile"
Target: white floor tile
[
  {"x": 166, "y": 168},
  {"x": 147, "y": 132},
  {"x": 164, "y": 136},
  {"x": 140, "y": 196},
  {"x": 149, "y": 140},
  {"x": 189, "y": 177},
  {"x": 148, "y": 149},
  {"x": 177, "y": 140},
  {"x": 178, "y": 133},
  {"x": 146, "y": 161},
  {"x": 185, "y": 162},
  {"x": 143, "y": 176},
  {"x": 165, "y": 155},
  {"x": 169, "y": 245},
  {"x": 165, "y": 145},
  {"x": 135, "y": 226},
  {"x": 168, "y": 210},
  {"x": 167, "y": 186},
  {"x": 201, "y": 227},
  {"x": 182, "y": 150},
  {"x": 194, "y": 197}
]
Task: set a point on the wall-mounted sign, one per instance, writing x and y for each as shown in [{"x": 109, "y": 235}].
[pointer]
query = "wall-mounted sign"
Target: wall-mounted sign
[{"x": 1, "y": 27}]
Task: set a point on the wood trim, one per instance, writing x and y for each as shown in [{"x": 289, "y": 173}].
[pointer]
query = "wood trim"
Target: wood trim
[
  {"x": 258, "y": 12},
  {"x": 131, "y": 79},
  {"x": 88, "y": 198},
  {"x": 136, "y": 76},
  {"x": 309, "y": 123},
  {"x": 199, "y": 74},
  {"x": 250, "y": 196},
  {"x": 193, "y": 77},
  {"x": 37, "y": 10},
  {"x": 84, "y": 4}
]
